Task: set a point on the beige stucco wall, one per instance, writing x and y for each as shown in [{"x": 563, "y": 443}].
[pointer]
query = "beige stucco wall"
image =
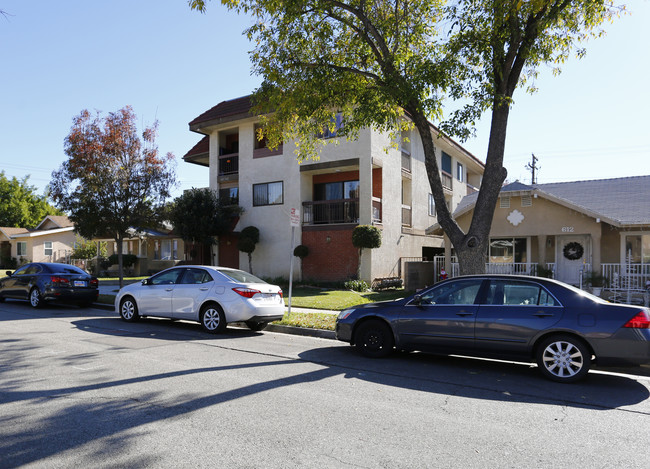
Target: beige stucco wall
[
  {"x": 545, "y": 221},
  {"x": 273, "y": 253}
]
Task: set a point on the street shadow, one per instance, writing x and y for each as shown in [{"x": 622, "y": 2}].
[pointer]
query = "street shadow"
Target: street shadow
[
  {"x": 477, "y": 378},
  {"x": 119, "y": 422},
  {"x": 158, "y": 328}
]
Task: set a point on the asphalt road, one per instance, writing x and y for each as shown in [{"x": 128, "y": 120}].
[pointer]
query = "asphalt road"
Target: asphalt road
[{"x": 81, "y": 388}]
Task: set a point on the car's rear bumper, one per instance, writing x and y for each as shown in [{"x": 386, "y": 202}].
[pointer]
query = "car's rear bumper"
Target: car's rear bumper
[
  {"x": 627, "y": 346},
  {"x": 71, "y": 294}
]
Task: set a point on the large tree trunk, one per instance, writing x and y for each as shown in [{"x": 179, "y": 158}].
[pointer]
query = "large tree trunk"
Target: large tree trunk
[
  {"x": 471, "y": 247},
  {"x": 120, "y": 264}
]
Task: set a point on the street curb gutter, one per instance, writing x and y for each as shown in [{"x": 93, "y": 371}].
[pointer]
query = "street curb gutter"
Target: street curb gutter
[
  {"x": 304, "y": 331},
  {"x": 321, "y": 333}
]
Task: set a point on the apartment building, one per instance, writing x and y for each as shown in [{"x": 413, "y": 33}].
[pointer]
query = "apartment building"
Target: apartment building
[{"x": 366, "y": 181}]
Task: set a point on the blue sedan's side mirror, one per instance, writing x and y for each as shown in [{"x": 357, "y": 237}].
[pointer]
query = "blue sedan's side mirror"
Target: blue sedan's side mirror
[
  {"x": 417, "y": 300},
  {"x": 9, "y": 273},
  {"x": 146, "y": 281}
]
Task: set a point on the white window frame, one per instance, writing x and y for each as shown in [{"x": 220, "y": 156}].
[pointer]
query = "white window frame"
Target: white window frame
[
  {"x": 460, "y": 172},
  {"x": 432, "y": 206},
  {"x": 46, "y": 248},
  {"x": 23, "y": 251}
]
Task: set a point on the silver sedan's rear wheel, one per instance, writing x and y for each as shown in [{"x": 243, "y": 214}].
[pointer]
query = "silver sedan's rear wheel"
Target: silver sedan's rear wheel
[
  {"x": 129, "y": 310},
  {"x": 563, "y": 358},
  {"x": 213, "y": 319}
]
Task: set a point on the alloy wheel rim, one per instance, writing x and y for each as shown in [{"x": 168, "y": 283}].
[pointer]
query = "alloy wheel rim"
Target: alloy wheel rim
[
  {"x": 33, "y": 298},
  {"x": 211, "y": 319},
  {"x": 127, "y": 310},
  {"x": 563, "y": 359}
]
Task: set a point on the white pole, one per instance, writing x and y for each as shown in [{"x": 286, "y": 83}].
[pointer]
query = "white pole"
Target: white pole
[{"x": 293, "y": 233}]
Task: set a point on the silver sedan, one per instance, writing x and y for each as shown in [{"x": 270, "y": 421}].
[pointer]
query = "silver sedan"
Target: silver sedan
[{"x": 212, "y": 296}]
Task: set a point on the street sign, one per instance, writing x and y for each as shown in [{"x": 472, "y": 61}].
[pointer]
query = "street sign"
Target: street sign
[{"x": 295, "y": 217}]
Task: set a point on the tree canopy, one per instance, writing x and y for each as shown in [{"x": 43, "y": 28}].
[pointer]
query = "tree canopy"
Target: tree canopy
[
  {"x": 20, "y": 205},
  {"x": 113, "y": 179},
  {"x": 375, "y": 62}
]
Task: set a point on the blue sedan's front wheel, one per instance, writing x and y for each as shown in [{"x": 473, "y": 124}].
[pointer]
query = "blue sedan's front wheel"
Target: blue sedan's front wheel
[{"x": 373, "y": 338}]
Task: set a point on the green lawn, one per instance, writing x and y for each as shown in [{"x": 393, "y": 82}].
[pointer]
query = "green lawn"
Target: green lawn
[{"x": 316, "y": 298}]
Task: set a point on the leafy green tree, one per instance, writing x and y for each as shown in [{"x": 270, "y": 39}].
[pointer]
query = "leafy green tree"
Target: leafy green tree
[
  {"x": 20, "y": 206},
  {"x": 198, "y": 216},
  {"x": 113, "y": 179},
  {"x": 365, "y": 237},
  {"x": 248, "y": 238},
  {"x": 87, "y": 249},
  {"x": 374, "y": 61}
]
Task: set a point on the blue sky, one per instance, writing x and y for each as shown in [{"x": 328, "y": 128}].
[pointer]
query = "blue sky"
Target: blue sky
[{"x": 171, "y": 64}]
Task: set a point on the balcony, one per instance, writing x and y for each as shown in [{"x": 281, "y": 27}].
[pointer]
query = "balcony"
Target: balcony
[
  {"x": 228, "y": 164},
  {"x": 324, "y": 212},
  {"x": 447, "y": 180}
]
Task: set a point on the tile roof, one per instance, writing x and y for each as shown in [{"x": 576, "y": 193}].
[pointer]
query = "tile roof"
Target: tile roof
[
  {"x": 11, "y": 231},
  {"x": 61, "y": 220},
  {"x": 225, "y": 110},
  {"x": 201, "y": 147},
  {"x": 623, "y": 200}
]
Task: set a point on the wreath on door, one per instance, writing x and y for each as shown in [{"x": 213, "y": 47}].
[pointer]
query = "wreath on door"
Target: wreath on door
[{"x": 573, "y": 251}]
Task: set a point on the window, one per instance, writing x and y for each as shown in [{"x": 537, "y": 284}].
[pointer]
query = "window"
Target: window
[
  {"x": 48, "y": 248},
  {"x": 460, "y": 172},
  {"x": 445, "y": 163},
  {"x": 526, "y": 200},
  {"x": 432, "y": 206},
  {"x": 508, "y": 250},
  {"x": 169, "y": 249},
  {"x": 462, "y": 292},
  {"x": 195, "y": 276},
  {"x": 229, "y": 195},
  {"x": 336, "y": 190},
  {"x": 21, "y": 248},
  {"x": 168, "y": 277},
  {"x": 270, "y": 193},
  {"x": 502, "y": 292},
  {"x": 332, "y": 130},
  {"x": 637, "y": 249},
  {"x": 504, "y": 202}
]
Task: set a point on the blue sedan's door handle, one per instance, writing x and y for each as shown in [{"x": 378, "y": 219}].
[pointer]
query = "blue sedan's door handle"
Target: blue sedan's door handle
[
  {"x": 464, "y": 313},
  {"x": 543, "y": 314}
]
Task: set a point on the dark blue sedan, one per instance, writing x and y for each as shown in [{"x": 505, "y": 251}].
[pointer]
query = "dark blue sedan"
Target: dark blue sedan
[
  {"x": 562, "y": 328},
  {"x": 40, "y": 282}
]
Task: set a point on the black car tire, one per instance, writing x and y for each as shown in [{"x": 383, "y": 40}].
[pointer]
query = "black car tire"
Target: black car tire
[
  {"x": 213, "y": 319},
  {"x": 129, "y": 309},
  {"x": 256, "y": 326},
  {"x": 374, "y": 339},
  {"x": 35, "y": 298},
  {"x": 563, "y": 358}
]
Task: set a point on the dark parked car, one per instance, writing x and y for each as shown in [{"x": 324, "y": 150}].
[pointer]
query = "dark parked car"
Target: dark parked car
[
  {"x": 559, "y": 326},
  {"x": 40, "y": 282}
]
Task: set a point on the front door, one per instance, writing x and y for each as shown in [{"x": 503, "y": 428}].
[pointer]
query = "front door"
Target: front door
[{"x": 571, "y": 256}]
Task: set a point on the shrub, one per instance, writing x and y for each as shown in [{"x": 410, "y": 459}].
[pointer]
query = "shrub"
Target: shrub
[
  {"x": 301, "y": 251},
  {"x": 128, "y": 260},
  {"x": 357, "y": 285}
]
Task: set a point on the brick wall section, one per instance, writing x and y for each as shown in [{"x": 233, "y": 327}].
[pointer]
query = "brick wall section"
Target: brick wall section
[{"x": 333, "y": 261}]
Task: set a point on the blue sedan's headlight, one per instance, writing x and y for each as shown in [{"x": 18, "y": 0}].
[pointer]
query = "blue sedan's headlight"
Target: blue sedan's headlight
[{"x": 345, "y": 313}]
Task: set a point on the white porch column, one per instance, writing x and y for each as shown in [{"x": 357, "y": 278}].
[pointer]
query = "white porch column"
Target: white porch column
[{"x": 365, "y": 211}]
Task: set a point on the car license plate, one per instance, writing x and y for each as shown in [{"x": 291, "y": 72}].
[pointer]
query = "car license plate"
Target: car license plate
[
  {"x": 79, "y": 283},
  {"x": 267, "y": 297}
]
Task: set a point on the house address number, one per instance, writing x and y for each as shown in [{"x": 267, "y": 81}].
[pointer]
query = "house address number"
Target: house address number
[{"x": 568, "y": 229}]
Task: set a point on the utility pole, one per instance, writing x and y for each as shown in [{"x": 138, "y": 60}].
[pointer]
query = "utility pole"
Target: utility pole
[{"x": 532, "y": 166}]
